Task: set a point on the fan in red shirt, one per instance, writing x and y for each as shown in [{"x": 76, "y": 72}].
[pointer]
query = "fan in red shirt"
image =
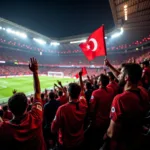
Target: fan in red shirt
[
  {"x": 146, "y": 74},
  {"x": 62, "y": 93},
  {"x": 100, "y": 105},
  {"x": 128, "y": 111},
  {"x": 113, "y": 84},
  {"x": 62, "y": 98},
  {"x": 24, "y": 131},
  {"x": 69, "y": 120},
  {"x": 7, "y": 114}
]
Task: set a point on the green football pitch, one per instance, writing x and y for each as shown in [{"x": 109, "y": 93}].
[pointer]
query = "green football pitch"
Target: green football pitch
[{"x": 25, "y": 84}]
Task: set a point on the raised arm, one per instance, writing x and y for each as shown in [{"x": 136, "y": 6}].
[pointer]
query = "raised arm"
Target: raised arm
[
  {"x": 81, "y": 83},
  {"x": 33, "y": 66},
  {"x": 112, "y": 68},
  {"x": 62, "y": 88}
]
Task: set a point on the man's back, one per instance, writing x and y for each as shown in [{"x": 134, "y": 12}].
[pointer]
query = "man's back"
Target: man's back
[
  {"x": 70, "y": 118},
  {"x": 50, "y": 109},
  {"x": 128, "y": 110},
  {"x": 100, "y": 104},
  {"x": 24, "y": 133}
]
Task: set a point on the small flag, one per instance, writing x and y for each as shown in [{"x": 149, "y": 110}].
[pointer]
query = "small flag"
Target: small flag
[{"x": 84, "y": 72}]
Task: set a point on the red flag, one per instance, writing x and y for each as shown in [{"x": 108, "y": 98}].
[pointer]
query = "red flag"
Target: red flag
[
  {"x": 84, "y": 72},
  {"x": 95, "y": 44}
]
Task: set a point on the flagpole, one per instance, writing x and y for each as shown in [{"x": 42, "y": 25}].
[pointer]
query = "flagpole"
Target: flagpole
[
  {"x": 104, "y": 41},
  {"x": 104, "y": 44}
]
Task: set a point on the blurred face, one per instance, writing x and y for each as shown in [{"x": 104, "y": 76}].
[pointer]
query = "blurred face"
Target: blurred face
[{"x": 121, "y": 78}]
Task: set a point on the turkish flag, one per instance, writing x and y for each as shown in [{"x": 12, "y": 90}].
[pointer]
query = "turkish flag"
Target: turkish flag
[
  {"x": 95, "y": 44},
  {"x": 84, "y": 72}
]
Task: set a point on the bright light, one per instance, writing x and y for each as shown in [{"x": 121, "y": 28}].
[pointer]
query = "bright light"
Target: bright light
[
  {"x": 1, "y": 28},
  {"x": 20, "y": 34},
  {"x": 4, "y": 29},
  {"x": 40, "y": 41},
  {"x": 118, "y": 34},
  {"x": 81, "y": 41},
  {"x": 105, "y": 37},
  {"x": 126, "y": 12},
  {"x": 55, "y": 43}
]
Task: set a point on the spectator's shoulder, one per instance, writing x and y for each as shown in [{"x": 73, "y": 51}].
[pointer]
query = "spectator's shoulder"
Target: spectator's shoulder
[
  {"x": 119, "y": 96},
  {"x": 46, "y": 105},
  {"x": 96, "y": 91}
]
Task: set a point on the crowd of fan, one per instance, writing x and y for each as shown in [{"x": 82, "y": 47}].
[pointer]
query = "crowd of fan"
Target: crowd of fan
[{"x": 108, "y": 112}]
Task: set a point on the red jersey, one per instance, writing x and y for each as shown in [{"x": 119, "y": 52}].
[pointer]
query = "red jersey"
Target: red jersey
[
  {"x": 7, "y": 115},
  {"x": 100, "y": 105},
  {"x": 146, "y": 75},
  {"x": 62, "y": 99},
  {"x": 114, "y": 85},
  {"x": 24, "y": 134},
  {"x": 127, "y": 111},
  {"x": 69, "y": 123}
]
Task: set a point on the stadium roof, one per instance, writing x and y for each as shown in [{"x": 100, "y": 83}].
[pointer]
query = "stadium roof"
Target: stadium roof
[
  {"x": 133, "y": 16},
  {"x": 9, "y": 24}
]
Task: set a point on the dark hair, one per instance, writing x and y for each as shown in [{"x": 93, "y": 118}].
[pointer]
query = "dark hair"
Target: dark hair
[
  {"x": 88, "y": 85},
  {"x": 74, "y": 90},
  {"x": 42, "y": 96},
  {"x": 1, "y": 113},
  {"x": 18, "y": 103},
  {"x": 111, "y": 75},
  {"x": 5, "y": 108},
  {"x": 146, "y": 63},
  {"x": 60, "y": 93},
  {"x": 134, "y": 71},
  {"x": 32, "y": 99},
  {"x": 51, "y": 95},
  {"x": 104, "y": 80}
]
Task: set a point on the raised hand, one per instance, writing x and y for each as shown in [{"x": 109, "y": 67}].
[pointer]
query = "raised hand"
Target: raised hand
[
  {"x": 14, "y": 91},
  {"x": 59, "y": 82},
  {"x": 80, "y": 73},
  {"x": 106, "y": 62},
  {"x": 33, "y": 65}
]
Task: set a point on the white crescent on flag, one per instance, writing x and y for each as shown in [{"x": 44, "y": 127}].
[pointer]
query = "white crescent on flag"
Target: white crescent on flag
[{"x": 95, "y": 44}]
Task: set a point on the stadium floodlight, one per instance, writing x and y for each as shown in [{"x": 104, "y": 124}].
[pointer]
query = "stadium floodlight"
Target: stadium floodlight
[
  {"x": 126, "y": 12},
  {"x": 40, "y": 41},
  {"x": 118, "y": 34},
  {"x": 80, "y": 41},
  {"x": 20, "y": 34},
  {"x": 55, "y": 43}
]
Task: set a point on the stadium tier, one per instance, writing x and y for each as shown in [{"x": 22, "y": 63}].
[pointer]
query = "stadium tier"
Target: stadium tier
[{"x": 53, "y": 98}]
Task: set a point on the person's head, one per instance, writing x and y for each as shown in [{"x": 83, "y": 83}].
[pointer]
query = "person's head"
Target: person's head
[
  {"x": 88, "y": 85},
  {"x": 5, "y": 108},
  {"x": 130, "y": 73},
  {"x": 65, "y": 89},
  {"x": 60, "y": 93},
  {"x": 145, "y": 63},
  {"x": 111, "y": 76},
  {"x": 51, "y": 95},
  {"x": 1, "y": 113},
  {"x": 42, "y": 96},
  {"x": 18, "y": 104},
  {"x": 74, "y": 90},
  {"x": 103, "y": 80}
]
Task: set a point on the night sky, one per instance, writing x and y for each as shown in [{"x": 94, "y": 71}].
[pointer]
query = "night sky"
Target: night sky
[{"x": 58, "y": 18}]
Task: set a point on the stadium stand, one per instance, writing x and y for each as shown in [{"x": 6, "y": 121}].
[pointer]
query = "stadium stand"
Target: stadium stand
[{"x": 107, "y": 109}]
